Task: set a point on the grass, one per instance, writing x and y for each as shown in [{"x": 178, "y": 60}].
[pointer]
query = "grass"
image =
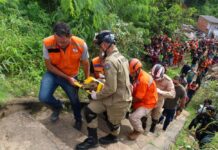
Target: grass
[
  {"x": 4, "y": 93},
  {"x": 184, "y": 140},
  {"x": 172, "y": 71},
  {"x": 12, "y": 87}
]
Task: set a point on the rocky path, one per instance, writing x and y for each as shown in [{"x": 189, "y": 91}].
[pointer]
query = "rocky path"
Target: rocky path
[{"x": 26, "y": 126}]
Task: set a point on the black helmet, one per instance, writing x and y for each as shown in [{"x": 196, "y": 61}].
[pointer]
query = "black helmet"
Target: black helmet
[{"x": 104, "y": 36}]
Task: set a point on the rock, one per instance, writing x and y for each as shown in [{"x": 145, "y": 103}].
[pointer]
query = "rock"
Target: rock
[{"x": 19, "y": 131}]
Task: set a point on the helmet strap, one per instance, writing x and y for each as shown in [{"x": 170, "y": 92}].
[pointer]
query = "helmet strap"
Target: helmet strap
[
  {"x": 137, "y": 74},
  {"x": 106, "y": 51}
]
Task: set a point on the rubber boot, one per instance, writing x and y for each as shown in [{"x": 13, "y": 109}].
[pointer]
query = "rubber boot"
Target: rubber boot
[
  {"x": 108, "y": 139},
  {"x": 90, "y": 142},
  {"x": 153, "y": 125}
]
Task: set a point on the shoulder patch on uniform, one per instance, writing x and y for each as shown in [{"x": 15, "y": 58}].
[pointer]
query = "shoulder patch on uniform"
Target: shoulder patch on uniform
[{"x": 107, "y": 66}]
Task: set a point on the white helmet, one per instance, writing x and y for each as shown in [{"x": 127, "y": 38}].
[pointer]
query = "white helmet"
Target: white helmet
[{"x": 157, "y": 72}]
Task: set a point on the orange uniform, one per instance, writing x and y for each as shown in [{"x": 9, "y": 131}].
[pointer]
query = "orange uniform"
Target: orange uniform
[
  {"x": 97, "y": 66},
  {"x": 67, "y": 61},
  {"x": 175, "y": 57},
  {"x": 144, "y": 91}
]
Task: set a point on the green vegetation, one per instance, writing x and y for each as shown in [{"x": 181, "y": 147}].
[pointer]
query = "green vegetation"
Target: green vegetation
[
  {"x": 24, "y": 23},
  {"x": 22, "y": 29},
  {"x": 173, "y": 71},
  {"x": 204, "y": 7},
  {"x": 184, "y": 141}
]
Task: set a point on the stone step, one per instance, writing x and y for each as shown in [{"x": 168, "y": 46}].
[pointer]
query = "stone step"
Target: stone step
[
  {"x": 19, "y": 131},
  {"x": 150, "y": 141},
  {"x": 63, "y": 128},
  {"x": 65, "y": 125},
  {"x": 160, "y": 140},
  {"x": 126, "y": 128},
  {"x": 167, "y": 138}
]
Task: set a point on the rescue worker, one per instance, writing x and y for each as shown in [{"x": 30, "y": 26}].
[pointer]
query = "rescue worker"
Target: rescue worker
[
  {"x": 203, "y": 65},
  {"x": 144, "y": 96},
  {"x": 97, "y": 71},
  {"x": 203, "y": 107},
  {"x": 96, "y": 67},
  {"x": 165, "y": 89},
  {"x": 171, "y": 105},
  {"x": 115, "y": 98},
  {"x": 208, "y": 125},
  {"x": 191, "y": 90},
  {"x": 186, "y": 67},
  {"x": 63, "y": 53},
  {"x": 175, "y": 57},
  {"x": 170, "y": 56}
]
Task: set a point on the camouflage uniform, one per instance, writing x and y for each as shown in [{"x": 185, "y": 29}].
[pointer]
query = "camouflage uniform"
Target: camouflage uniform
[{"x": 115, "y": 98}]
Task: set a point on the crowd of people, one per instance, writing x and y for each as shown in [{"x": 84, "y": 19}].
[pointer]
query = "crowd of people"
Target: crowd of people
[
  {"x": 170, "y": 52},
  {"x": 203, "y": 54},
  {"x": 166, "y": 51},
  {"x": 128, "y": 89}
]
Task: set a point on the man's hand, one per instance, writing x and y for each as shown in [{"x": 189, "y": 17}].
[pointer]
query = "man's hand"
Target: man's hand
[
  {"x": 159, "y": 91},
  {"x": 72, "y": 81}
]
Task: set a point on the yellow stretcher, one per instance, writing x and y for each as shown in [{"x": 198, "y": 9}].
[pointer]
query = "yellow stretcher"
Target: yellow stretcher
[{"x": 90, "y": 84}]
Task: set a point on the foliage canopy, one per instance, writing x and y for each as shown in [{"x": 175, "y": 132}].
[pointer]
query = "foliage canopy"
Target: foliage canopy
[{"x": 24, "y": 23}]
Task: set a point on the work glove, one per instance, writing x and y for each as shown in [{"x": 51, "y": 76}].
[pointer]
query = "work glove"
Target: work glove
[
  {"x": 93, "y": 95},
  {"x": 101, "y": 76}
]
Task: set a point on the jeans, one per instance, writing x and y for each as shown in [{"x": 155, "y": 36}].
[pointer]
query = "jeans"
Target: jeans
[
  {"x": 170, "y": 61},
  {"x": 169, "y": 114},
  {"x": 49, "y": 84}
]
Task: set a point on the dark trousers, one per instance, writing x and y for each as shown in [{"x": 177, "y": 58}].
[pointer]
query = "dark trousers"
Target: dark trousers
[
  {"x": 169, "y": 114},
  {"x": 49, "y": 84}
]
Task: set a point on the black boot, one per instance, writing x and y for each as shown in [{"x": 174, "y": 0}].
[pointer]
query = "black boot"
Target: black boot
[
  {"x": 108, "y": 139},
  {"x": 144, "y": 122},
  {"x": 153, "y": 125},
  {"x": 90, "y": 142}
]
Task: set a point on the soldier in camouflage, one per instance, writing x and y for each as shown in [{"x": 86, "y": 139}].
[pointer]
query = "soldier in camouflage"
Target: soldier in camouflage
[{"x": 115, "y": 98}]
